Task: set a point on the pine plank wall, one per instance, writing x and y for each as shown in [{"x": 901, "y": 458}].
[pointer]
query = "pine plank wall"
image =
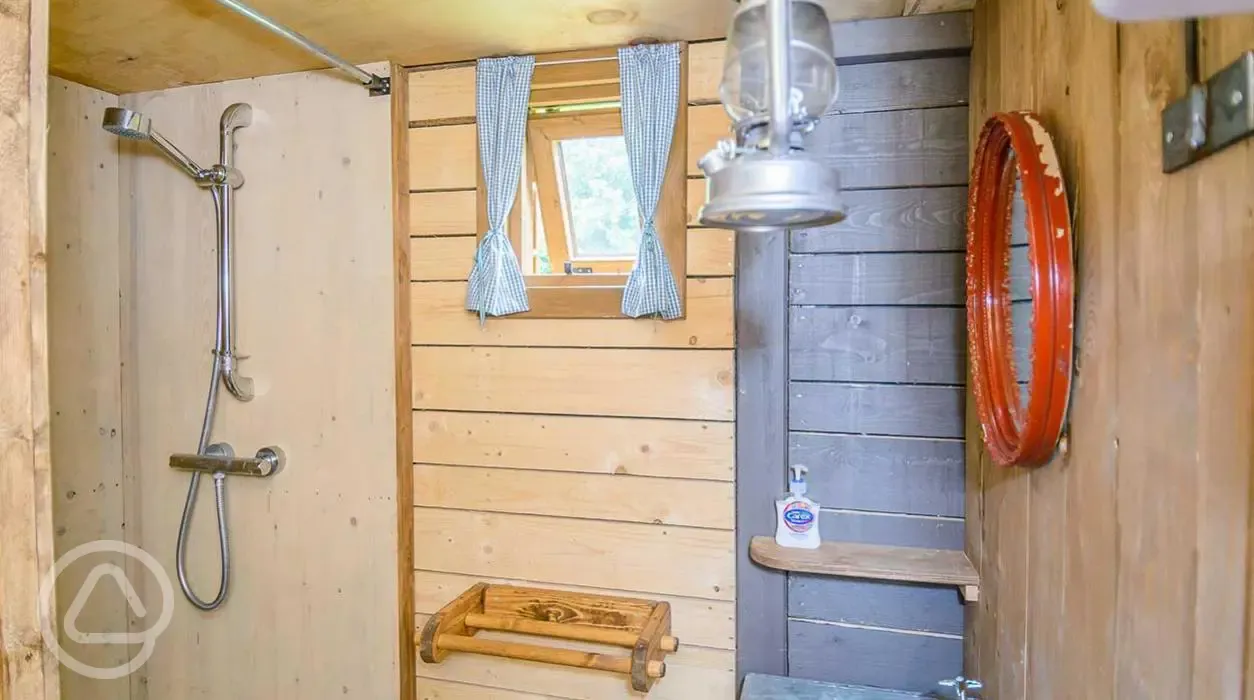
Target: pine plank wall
[
  {"x": 592, "y": 455},
  {"x": 600, "y": 454},
  {"x": 1122, "y": 568}
]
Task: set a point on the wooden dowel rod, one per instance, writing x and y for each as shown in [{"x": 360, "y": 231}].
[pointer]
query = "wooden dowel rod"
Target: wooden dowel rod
[
  {"x": 548, "y": 655},
  {"x": 581, "y": 633},
  {"x": 557, "y": 630},
  {"x": 531, "y": 652}
]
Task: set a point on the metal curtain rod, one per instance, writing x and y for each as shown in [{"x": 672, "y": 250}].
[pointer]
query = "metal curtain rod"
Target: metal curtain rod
[{"x": 378, "y": 85}]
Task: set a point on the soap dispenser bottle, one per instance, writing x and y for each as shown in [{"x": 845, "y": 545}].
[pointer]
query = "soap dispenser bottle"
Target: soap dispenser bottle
[{"x": 798, "y": 516}]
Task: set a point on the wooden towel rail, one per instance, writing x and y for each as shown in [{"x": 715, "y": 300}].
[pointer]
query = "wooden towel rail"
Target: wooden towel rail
[{"x": 643, "y": 626}]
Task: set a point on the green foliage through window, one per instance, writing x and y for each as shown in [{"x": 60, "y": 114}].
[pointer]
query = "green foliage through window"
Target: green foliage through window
[{"x": 600, "y": 203}]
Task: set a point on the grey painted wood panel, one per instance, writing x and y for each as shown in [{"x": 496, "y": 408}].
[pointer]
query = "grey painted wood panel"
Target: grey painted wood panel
[
  {"x": 878, "y": 658},
  {"x": 876, "y": 409},
  {"x": 759, "y": 687},
  {"x": 894, "y": 475},
  {"x": 905, "y": 606},
  {"x": 878, "y": 344},
  {"x": 762, "y": 445},
  {"x": 911, "y": 279},
  {"x": 1021, "y": 324},
  {"x": 877, "y": 87},
  {"x": 909, "y": 148},
  {"x": 890, "y": 529},
  {"x": 896, "y": 38},
  {"x": 1020, "y": 274},
  {"x": 922, "y": 219}
]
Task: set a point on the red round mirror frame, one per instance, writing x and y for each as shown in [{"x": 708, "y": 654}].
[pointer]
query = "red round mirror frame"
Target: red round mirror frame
[{"x": 1015, "y": 146}]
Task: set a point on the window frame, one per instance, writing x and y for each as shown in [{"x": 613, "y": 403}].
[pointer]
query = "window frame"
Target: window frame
[{"x": 582, "y": 77}]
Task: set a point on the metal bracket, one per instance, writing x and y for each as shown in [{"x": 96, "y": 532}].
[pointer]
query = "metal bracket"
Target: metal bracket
[
  {"x": 1213, "y": 116},
  {"x": 380, "y": 86}
]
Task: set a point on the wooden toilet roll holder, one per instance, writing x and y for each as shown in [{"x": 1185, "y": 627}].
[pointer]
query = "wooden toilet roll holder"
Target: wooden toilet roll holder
[{"x": 643, "y": 626}]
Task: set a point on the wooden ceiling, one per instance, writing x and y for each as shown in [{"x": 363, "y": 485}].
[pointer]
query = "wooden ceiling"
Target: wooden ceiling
[{"x": 134, "y": 45}]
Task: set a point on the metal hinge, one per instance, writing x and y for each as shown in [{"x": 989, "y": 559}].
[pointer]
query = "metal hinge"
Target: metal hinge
[{"x": 1211, "y": 117}]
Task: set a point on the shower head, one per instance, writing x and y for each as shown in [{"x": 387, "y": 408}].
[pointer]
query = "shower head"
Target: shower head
[
  {"x": 129, "y": 124},
  {"x": 237, "y": 115}
]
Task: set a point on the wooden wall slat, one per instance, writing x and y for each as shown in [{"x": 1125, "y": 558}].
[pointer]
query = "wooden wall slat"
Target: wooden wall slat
[
  {"x": 891, "y": 529},
  {"x": 435, "y": 689},
  {"x": 917, "y": 220},
  {"x": 445, "y": 258},
  {"x": 878, "y": 344},
  {"x": 705, "y": 71},
  {"x": 443, "y": 213},
  {"x": 904, "y": 606},
  {"x": 910, "y": 148},
  {"x": 647, "y": 558},
  {"x": 711, "y": 252},
  {"x": 442, "y": 93},
  {"x": 443, "y": 157},
  {"x": 694, "y": 384},
  {"x": 879, "y": 87},
  {"x": 918, "y": 7},
  {"x": 913, "y": 148},
  {"x": 879, "y": 278},
  {"x": 697, "y": 621},
  {"x": 631, "y": 446},
  {"x": 440, "y": 318},
  {"x": 876, "y": 409},
  {"x": 899, "y": 475},
  {"x": 872, "y": 657},
  {"x": 611, "y": 497},
  {"x": 871, "y": 40}
]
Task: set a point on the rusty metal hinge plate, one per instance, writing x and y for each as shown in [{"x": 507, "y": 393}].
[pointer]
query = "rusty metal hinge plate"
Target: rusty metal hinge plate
[{"x": 1211, "y": 117}]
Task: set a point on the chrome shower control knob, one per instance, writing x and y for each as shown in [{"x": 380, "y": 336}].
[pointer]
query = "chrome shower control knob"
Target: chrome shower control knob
[{"x": 273, "y": 457}]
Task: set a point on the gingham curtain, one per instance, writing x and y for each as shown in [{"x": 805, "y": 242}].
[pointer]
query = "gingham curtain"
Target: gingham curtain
[
  {"x": 650, "y": 87},
  {"x": 502, "y": 89}
]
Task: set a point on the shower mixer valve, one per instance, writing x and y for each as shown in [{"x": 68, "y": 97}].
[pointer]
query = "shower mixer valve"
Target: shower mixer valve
[{"x": 219, "y": 458}]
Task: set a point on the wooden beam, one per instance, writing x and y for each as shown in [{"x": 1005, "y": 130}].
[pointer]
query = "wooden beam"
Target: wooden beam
[
  {"x": 27, "y": 670},
  {"x": 762, "y": 451},
  {"x": 407, "y": 665}
]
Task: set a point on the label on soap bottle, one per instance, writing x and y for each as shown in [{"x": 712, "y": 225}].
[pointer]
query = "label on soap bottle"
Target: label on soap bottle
[{"x": 798, "y": 517}]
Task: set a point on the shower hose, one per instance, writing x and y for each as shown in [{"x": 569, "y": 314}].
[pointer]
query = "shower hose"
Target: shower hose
[{"x": 219, "y": 479}]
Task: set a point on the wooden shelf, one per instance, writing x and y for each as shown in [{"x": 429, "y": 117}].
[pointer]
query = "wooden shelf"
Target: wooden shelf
[{"x": 911, "y": 564}]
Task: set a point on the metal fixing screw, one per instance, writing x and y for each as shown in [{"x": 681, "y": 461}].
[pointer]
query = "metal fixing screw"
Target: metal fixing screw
[
  {"x": 1170, "y": 137},
  {"x": 1236, "y": 98}
]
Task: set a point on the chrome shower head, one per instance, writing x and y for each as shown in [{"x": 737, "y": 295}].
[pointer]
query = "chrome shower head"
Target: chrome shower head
[
  {"x": 237, "y": 115},
  {"x": 127, "y": 124},
  {"x": 133, "y": 125}
]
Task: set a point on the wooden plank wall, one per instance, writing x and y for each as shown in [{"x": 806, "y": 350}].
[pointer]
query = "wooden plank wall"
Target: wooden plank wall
[
  {"x": 313, "y": 605},
  {"x": 1121, "y": 569},
  {"x": 85, "y": 358},
  {"x": 591, "y": 455},
  {"x": 27, "y": 670},
  {"x": 876, "y": 358}
]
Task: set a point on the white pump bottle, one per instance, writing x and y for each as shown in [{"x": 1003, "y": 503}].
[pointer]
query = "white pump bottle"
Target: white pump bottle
[{"x": 798, "y": 516}]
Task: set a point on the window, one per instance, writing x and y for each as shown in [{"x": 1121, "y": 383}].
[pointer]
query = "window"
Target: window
[
  {"x": 576, "y": 226},
  {"x": 585, "y": 218}
]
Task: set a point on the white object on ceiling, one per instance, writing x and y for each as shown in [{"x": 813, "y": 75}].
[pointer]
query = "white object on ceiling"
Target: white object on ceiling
[{"x": 1131, "y": 10}]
